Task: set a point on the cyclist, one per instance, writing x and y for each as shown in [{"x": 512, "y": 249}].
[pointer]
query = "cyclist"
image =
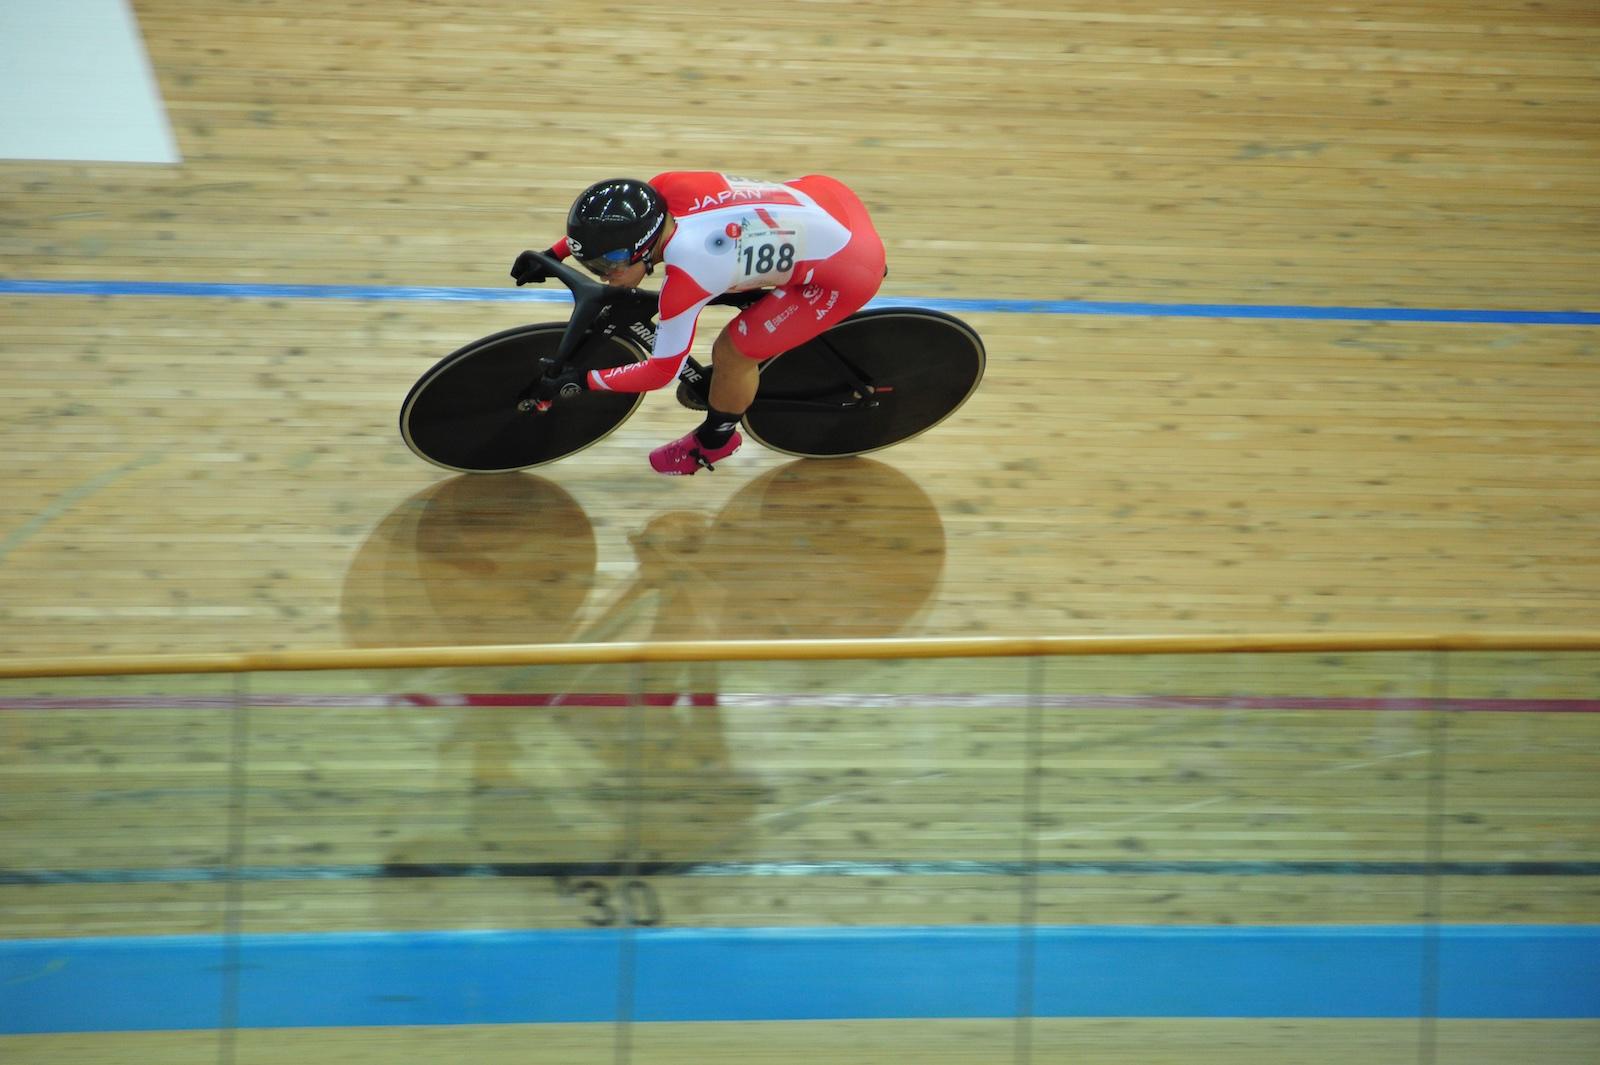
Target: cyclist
[{"x": 808, "y": 240}]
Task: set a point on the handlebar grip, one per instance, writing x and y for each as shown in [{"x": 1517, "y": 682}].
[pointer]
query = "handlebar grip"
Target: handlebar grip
[{"x": 562, "y": 272}]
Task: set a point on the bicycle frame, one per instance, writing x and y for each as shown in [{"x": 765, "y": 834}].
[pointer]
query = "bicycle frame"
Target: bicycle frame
[{"x": 873, "y": 379}]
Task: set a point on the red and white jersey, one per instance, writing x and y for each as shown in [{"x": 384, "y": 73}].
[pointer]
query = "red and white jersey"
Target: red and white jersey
[{"x": 732, "y": 234}]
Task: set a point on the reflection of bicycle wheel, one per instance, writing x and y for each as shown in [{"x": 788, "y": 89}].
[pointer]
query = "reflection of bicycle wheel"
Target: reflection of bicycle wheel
[
  {"x": 462, "y": 414},
  {"x": 472, "y": 560},
  {"x": 923, "y": 364},
  {"x": 825, "y": 549}
]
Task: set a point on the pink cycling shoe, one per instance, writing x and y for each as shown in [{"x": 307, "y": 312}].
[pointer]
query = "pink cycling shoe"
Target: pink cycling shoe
[{"x": 686, "y": 456}]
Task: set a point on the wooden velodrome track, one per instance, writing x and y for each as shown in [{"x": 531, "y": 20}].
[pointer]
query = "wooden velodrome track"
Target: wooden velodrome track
[{"x": 222, "y": 474}]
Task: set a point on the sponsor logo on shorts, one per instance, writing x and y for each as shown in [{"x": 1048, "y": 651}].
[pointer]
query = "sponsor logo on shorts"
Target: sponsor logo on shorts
[{"x": 774, "y": 322}]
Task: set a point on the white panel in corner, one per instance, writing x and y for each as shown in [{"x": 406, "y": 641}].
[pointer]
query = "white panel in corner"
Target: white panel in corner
[{"x": 76, "y": 83}]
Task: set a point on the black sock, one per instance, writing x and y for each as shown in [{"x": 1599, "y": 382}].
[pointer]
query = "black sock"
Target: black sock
[{"x": 716, "y": 429}]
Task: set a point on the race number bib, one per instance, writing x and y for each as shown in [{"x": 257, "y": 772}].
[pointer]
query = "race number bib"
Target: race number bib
[{"x": 767, "y": 248}]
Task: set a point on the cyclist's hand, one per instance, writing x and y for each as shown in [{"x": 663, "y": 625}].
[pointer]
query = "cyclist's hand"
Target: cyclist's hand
[{"x": 527, "y": 268}]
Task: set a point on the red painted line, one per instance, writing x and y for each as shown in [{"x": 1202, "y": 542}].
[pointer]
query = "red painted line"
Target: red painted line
[
  {"x": 843, "y": 701},
  {"x": 593, "y": 700}
]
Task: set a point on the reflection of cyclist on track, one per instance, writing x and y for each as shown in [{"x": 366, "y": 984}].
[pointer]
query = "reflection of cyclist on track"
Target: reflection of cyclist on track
[{"x": 809, "y": 240}]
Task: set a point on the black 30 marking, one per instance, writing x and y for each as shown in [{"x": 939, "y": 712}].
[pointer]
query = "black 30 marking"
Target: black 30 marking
[{"x": 632, "y": 902}]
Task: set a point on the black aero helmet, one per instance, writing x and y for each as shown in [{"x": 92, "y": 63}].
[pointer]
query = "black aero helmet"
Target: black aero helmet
[{"x": 613, "y": 223}]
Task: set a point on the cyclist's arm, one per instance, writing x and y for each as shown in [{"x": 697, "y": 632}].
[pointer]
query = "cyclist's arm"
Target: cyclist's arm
[{"x": 682, "y": 300}]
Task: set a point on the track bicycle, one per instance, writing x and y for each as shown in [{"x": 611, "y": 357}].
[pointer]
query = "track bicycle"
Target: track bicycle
[{"x": 879, "y": 377}]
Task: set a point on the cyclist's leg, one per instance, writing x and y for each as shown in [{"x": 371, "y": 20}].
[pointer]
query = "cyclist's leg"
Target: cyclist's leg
[{"x": 734, "y": 375}]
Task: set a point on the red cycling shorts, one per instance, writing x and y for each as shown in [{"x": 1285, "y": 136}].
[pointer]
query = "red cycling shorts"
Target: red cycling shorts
[{"x": 822, "y": 292}]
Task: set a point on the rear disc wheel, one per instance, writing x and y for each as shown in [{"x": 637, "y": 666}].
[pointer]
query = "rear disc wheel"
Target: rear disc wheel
[{"x": 924, "y": 365}]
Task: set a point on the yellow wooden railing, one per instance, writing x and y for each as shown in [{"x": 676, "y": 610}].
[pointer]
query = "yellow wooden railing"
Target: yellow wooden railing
[{"x": 788, "y": 650}]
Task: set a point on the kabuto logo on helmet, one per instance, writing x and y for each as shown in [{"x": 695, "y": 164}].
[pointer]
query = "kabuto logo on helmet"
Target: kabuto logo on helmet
[
  {"x": 649, "y": 238},
  {"x": 574, "y": 246}
]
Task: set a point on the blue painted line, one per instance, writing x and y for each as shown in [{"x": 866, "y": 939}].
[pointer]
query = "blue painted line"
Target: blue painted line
[
  {"x": 530, "y": 977},
  {"x": 201, "y": 290},
  {"x": 1295, "y": 312},
  {"x": 177, "y": 982},
  {"x": 1292, "y": 312}
]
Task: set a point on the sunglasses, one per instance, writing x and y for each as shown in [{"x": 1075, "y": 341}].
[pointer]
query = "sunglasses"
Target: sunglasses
[{"x": 612, "y": 262}]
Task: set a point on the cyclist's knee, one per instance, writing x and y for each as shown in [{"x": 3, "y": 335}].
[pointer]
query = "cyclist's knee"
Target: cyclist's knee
[{"x": 725, "y": 349}]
